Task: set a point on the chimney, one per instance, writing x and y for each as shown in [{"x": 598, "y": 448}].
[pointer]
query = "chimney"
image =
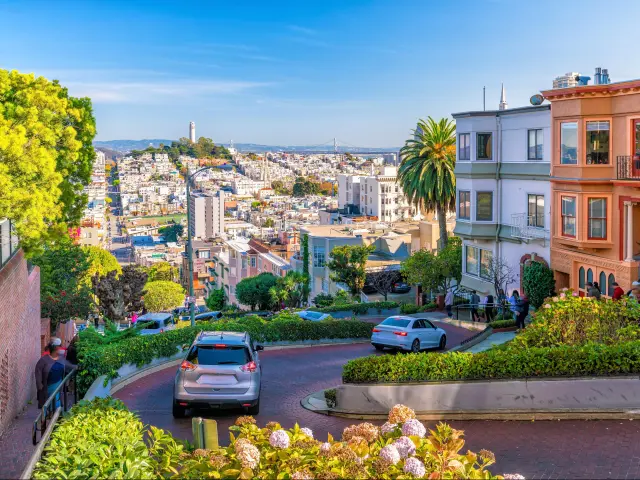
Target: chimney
[
  {"x": 605, "y": 76},
  {"x": 597, "y": 78}
]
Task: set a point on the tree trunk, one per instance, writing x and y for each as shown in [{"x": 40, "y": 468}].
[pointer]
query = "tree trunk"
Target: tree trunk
[{"x": 442, "y": 223}]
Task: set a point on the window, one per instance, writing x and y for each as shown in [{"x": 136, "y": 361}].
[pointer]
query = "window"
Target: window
[
  {"x": 244, "y": 262},
  {"x": 569, "y": 143},
  {"x": 418, "y": 324},
  {"x": 603, "y": 282},
  {"x": 253, "y": 262},
  {"x": 589, "y": 276},
  {"x": 472, "y": 260},
  {"x": 485, "y": 263},
  {"x": 478, "y": 261},
  {"x": 464, "y": 205},
  {"x": 597, "y": 143},
  {"x": 484, "y": 206},
  {"x": 464, "y": 146},
  {"x": 581, "y": 282},
  {"x": 483, "y": 146},
  {"x": 612, "y": 280},
  {"x": 318, "y": 256},
  {"x": 569, "y": 216},
  {"x": 204, "y": 254},
  {"x": 536, "y": 211},
  {"x": 598, "y": 218},
  {"x": 534, "y": 145}
]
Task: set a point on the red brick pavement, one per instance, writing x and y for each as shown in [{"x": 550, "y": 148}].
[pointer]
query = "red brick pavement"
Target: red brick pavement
[{"x": 546, "y": 449}]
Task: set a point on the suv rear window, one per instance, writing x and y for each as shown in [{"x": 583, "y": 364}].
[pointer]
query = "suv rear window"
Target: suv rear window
[
  {"x": 219, "y": 355},
  {"x": 394, "y": 322}
]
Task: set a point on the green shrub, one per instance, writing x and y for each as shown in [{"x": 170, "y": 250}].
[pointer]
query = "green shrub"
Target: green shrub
[
  {"x": 538, "y": 282},
  {"x": 357, "y": 308},
  {"x": 409, "y": 308},
  {"x": 428, "y": 307},
  {"x": 323, "y": 300},
  {"x": 502, "y": 324},
  {"x": 330, "y": 396},
  {"x": 105, "y": 359},
  {"x": 562, "y": 361}
]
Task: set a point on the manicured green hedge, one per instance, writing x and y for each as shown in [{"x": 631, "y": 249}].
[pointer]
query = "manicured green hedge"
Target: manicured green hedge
[
  {"x": 357, "y": 308},
  {"x": 561, "y": 361},
  {"x": 502, "y": 324},
  {"x": 105, "y": 359}
]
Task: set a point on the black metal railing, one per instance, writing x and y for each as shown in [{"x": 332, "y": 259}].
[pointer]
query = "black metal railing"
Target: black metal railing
[
  {"x": 628, "y": 167},
  {"x": 465, "y": 311},
  {"x": 60, "y": 395}
]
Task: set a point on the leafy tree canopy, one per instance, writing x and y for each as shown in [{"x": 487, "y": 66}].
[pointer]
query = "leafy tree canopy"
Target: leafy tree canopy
[
  {"x": 216, "y": 300},
  {"x": 162, "y": 295},
  {"x": 172, "y": 232},
  {"x": 291, "y": 290},
  {"x": 348, "y": 265},
  {"x": 118, "y": 295},
  {"x": 162, "y": 271},
  {"x": 304, "y": 186},
  {"x": 538, "y": 283},
  {"x": 203, "y": 148},
  {"x": 46, "y": 156},
  {"x": 254, "y": 291},
  {"x": 435, "y": 272},
  {"x": 101, "y": 261}
]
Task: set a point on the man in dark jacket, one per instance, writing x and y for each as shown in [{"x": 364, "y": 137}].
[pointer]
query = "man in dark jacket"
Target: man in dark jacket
[
  {"x": 523, "y": 311},
  {"x": 50, "y": 371}
]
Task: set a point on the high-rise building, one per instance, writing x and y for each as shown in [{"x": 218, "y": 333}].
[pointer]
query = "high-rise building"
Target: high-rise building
[
  {"x": 192, "y": 131},
  {"x": 207, "y": 214},
  {"x": 569, "y": 79}
]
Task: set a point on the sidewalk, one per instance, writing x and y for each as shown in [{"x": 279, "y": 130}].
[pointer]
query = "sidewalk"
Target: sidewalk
[
  {"x": 15, "y": 443},
  {"x": 493, "y": 339}
]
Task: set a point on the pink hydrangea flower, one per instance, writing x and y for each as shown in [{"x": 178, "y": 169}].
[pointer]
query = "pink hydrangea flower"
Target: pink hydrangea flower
[
  {"x": 513, "y": 476},
  {"x": 415, "y": 467},
  {"x": 563, "y": 295},
  {"x": 390, "y": 454},
  {"x": 575, "y": 294},
  {"x": 547, "y": 305},
  {"x": 307, "y": 431},
  {"x": 405, "y": 447},
  {"x": 414, "y": 427},
  {"x": 388, "y": 427},
  {"x": 279, "y": 439}
]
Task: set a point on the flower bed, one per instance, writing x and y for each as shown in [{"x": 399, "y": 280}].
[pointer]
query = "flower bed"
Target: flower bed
[
  {"x": 97, "y": 359},
  {"x": 102, "y": 439}
]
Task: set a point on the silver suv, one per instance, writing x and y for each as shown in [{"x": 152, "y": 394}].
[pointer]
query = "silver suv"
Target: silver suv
[{"x": 221, "y": 370}]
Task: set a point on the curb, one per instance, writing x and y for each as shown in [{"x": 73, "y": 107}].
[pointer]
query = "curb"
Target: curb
[{"x": 472, "y": 341}]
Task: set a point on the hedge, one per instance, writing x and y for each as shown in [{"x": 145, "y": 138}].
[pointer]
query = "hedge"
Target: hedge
[
  {"x": 502, "y": 324},
  {"x": 357, "y": 308},
  {"x": 105, "y": 359},
  {"x": 561, "y": 361}
]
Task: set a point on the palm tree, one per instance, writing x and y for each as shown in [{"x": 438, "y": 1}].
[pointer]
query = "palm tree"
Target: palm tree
[{"x": 426, "y": 171}]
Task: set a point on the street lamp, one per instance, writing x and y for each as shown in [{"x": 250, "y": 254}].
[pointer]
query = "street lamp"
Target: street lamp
[{"x": 188, "y": 178}]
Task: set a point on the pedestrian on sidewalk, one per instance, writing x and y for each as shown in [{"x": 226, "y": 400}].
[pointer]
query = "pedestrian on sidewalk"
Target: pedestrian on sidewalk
[
  {"x": 489, "y": 309},
  {"x": 448, "y": 302},
  {"x": 523, "y": 311},
  {"x": 592, "y": 291},
  {"x": 513, "y": 301},
  {"x": 475, "y": 302},
  {"x": 618, "y": 292},
  {"x": 50, "y": 371}
]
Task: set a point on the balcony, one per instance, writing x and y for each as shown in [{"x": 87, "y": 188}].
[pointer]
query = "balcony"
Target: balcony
[
  {"x": 628, "y": 167},
  {"x": 523, "y": 228}
]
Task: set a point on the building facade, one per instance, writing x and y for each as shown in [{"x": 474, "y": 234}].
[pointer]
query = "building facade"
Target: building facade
[
  {"x": 595, "y": 174},
  {"x": 503, "y": 199},
  {"x": 207, "y": 214}
]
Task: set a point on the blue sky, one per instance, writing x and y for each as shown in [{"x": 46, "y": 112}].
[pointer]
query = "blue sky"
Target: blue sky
[{"x": 303, "y": 72}]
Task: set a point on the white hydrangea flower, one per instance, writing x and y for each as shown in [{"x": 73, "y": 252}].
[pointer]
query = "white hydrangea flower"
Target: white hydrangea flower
[
  {"x": 415, "y": 467},
  {"x": 414, "y": 427},
  {"x": 388, "y": 428},
  {"x": 307, "y": 431},
  {"x": 390, "y": 454},
  {"x": 405, "y": 447},
  {"x": 279, "y": 439},
  {"x": 513, "y": 476},
  {"x": 249, "y": 456},
  {"x": 325, "y": 447}
]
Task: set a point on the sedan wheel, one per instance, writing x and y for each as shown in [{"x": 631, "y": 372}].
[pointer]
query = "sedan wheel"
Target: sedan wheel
[
  {"x": 415, "y": 346},
  {"x": 443, "y": 342}
]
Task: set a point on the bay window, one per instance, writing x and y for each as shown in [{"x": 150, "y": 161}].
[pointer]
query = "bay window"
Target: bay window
[
  {"x": 483, "y": 146},
  {"x": 569, "y": 143},
  {"x": 484, "y": 206},
  {"x": 597, "y": 143},
  {"x": 569, "y": 216},
  {"x": 478, "y": 261},
  {"x": 598, "y": 218},
  {"x": 464, "y": 205},
  {"x": 464, "y": 146}
]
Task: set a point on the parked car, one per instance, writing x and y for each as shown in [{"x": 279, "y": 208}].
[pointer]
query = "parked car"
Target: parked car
[
  {"x": 161, "y": 323},
  {"x": 400, "y": 287},
  {"x": 220, "y": 370},
  {"x": 408, "y": 333},
  {"x": 184, "y": 313},
  {"x": 208, "y": 316},
  {"x": 312, "y": 316},
  {"x": 369, "y": 289}
]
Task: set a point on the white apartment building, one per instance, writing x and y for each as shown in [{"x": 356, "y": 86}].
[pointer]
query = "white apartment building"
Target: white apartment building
[
  {"x": 242, "y": 185},
  {"x": 503, "y": 191},
  {"x": 566, "y": 81},
  {"x": 207, "y": 214}
]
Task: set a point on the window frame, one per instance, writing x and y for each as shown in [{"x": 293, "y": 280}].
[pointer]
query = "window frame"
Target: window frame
[
  {"x": 466, "y": 260},
  {"x": 536, "y": 195},
  {"x": 478, "y": 193},
  {"x": 604, "y": 219},
  {"x": 315, "y": 255},
  {"x": 536, "y": 131},
  {"x": 586, "y": 139},
  {"x": 478, "y": 157},
  {"x": 468, "y": 208},
  {"x": 574, "y": 216},
  {"x": 577, "y": 124},
  {"x": 467, "y": 146}
]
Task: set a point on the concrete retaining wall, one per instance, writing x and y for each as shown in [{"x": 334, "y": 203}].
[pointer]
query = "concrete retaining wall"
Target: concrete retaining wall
[
  {"x": 386, "y": 312},
  {"x": 540, "y": 395}
]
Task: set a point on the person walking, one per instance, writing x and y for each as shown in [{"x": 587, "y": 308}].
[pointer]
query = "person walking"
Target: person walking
[
  {"x": 592, "y": 291},
  {"x": 523, "y": 311},
  {"x": 489, "y": 309},
  {"x": 513, "y": 301},
  {"x": 475, "y": 302},
  {"x": 49, "y": 372},
  {"x": 618, "y": 292},
  {"x": 448, "y": 302}
]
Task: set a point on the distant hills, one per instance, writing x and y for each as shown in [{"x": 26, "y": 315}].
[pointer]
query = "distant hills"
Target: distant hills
[{"x": 124, "y": 146}]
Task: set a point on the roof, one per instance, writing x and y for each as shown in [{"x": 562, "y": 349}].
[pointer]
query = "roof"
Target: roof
[
  {"x": 500, "y": 113},
  {"x": 275, "y": 259},
  {"x": 227, "y": 338}
]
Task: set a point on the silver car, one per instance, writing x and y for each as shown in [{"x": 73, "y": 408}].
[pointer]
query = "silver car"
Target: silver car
[
  {"x": 408, "y": 333},
  {"x": 161, "y": 322},
  {"x": 220, "y": 370},
  {"x": 312, "y": 316}
]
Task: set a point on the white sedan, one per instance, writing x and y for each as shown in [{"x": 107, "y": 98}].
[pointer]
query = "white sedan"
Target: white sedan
[
  {"x": 408, "y": 333},
  {"x": 312, "y": 316}
]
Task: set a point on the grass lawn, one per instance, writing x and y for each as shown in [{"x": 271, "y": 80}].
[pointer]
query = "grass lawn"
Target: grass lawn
[{"x": 164, "y": 218}]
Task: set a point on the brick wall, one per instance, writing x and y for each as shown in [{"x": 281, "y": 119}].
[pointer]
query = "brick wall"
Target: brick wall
[{"x": 19, "y": 336}]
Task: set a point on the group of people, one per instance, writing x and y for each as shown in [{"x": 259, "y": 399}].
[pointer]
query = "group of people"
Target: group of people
[
  {"x": 52, "y": 367},
  {"x": 518, "y": 305}
]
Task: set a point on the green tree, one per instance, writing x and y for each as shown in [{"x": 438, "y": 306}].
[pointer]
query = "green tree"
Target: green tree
[
  {"x": 435, "y": 272},
  {"x": 255, "y": 291},
  {"x": 171, "y": 233},
  {"x": 280, "y": 188},
  {"x": 538, "y": 283},
  {"x": 116, "y": 183},
  {"x": 162, "y": 271},
  {"x": 46, "y": 156},
  {"x": 63, "y": 294},
  {"x": 426, "y": 171},
  {"x": 348, "y": 266},
  {"x": 101, "y": 261},
  {"x": 216, "y": 300},
  {"x": 303, "y": 187},
  {"x": 162, "y": 295},
  {"x": 118, "y": 295},
  {"x": 269, "y": 223},
  {"x": 292, "y": 290}
]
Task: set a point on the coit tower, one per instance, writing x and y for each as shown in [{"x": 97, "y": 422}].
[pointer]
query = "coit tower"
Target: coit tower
[{"x": 192, "y": 131}]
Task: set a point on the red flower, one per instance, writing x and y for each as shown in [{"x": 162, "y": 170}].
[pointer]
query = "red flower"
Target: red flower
[{"x": 63, "y": 293}]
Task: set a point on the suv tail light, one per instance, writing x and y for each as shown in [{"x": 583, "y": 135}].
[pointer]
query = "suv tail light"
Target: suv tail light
[
  {"x": 187, "y": 365},
  {"x": 376, "y": 330},
  {"x": 402, "y": 334},
  {"x": 249, "y": 367}
]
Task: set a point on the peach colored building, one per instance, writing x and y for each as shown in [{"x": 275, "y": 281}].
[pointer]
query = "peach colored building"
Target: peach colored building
[{"x": 595, "y": 185}]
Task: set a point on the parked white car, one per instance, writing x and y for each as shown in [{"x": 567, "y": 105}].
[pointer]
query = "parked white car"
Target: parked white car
[
  {"x": 312, "y": 316},
  {"x": 408, "y": 333}
]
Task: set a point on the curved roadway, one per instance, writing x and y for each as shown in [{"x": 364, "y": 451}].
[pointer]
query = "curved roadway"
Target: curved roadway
[{"x": 566, "y": 449}]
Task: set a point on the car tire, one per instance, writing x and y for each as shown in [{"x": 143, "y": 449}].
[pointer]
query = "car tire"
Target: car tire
[
  {"x": 255, "y": 410},
  {"x": 378, "y": 346},
  {"x": 415, "y": 346},
  {"x": 443, "y": 342},
  {"x": 178, "y": 411}
]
